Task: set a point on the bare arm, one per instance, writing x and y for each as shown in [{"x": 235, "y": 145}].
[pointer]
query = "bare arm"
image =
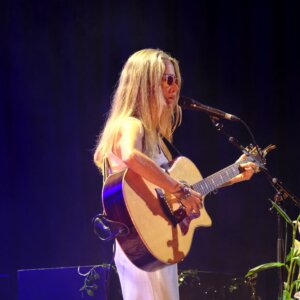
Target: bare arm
[{"x": 129, "y": 149}]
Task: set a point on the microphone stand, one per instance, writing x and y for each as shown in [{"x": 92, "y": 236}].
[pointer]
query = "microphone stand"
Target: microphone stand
[
  {"x": 282, "y": 193},
  {"x": 258, "y": 159}
]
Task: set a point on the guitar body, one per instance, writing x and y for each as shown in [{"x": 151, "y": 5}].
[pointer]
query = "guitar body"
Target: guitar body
[{"x": 153, "y": 239}]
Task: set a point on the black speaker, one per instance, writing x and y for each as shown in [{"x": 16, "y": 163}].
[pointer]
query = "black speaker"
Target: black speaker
[
  {"x": 6, "y": 286},
  {"x": 65, "y": 283}
]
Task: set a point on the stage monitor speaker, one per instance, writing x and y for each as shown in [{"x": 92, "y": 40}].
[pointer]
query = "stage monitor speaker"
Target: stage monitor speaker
[{"x": 60, "y": 284}]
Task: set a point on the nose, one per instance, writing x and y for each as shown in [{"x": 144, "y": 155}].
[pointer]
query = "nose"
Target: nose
[{"x": 174, "y": 87}]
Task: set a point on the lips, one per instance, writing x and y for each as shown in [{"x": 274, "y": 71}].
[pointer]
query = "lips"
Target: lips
[{"x": 171, "y": 100}]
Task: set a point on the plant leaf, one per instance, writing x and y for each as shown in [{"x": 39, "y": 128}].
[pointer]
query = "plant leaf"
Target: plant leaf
[
  {"x": 262, "y": 267},
  {"x": 294, "y": 253},
  {"x": 286, "y": 295},
  {"x": 282, "y": 213},
  {"x": 297, "y": 245},
  {"x": 297, "y": 284},
  {"x": 285, "y": 285},
  {"x": 290, "y": 255},
  {"x": 90, "y": 293},
  {"x": 297, "y": 259}
]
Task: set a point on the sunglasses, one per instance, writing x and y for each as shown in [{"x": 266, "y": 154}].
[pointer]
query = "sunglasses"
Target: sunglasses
[{"x": 170, "y": 79}]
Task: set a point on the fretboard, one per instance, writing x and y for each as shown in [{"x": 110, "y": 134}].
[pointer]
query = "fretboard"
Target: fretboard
[{"x": 216, "y": 180}]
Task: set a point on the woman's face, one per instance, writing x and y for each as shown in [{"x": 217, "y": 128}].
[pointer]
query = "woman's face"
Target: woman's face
[{"x": 169, "y": 84}]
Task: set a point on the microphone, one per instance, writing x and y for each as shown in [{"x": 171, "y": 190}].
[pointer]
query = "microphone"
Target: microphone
[{"x": 189, "y": 103}]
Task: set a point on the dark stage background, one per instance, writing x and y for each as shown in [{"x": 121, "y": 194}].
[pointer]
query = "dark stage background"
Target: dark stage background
[{"x": 60, "y": 61}]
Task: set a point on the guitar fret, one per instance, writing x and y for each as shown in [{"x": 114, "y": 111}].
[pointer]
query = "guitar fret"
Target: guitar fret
[
  {"x": 207, "y": 188},
  {"x": 221, "y": 177},
  {"x": 201, "y": 189},
  {"x": 212, "y": 182}
]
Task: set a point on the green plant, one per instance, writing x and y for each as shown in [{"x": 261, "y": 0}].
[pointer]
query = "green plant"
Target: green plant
[
  {"x": 90, "y": 281},
  {"x": 210, "y": 285},
  {"x": 92, "y": 278},
  {"x": 292, "y": 261}
]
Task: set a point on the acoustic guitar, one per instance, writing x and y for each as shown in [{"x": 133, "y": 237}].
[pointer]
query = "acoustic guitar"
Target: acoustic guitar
[{"x": 158, "y": 230}]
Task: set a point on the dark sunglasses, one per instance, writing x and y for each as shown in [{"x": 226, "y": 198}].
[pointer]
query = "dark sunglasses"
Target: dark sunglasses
[{"x": 170, "y": 79}]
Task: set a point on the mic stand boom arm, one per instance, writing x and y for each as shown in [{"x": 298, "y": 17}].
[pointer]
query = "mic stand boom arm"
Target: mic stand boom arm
[
  {"x": 257, "y": 159},
  {"x": 275, "y": 182}
]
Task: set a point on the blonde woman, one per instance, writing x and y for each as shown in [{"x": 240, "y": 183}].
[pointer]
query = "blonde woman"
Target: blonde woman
[{"x": 145, "y": 109}]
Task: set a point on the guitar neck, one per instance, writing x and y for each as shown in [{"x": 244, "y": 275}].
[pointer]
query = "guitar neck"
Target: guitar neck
[{"x": 216, "y": 180}]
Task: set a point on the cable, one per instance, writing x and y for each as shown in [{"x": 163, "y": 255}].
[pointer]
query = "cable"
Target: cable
[
  {"x": 107, "y": 230},
  {"x": 108, "y": 273}
]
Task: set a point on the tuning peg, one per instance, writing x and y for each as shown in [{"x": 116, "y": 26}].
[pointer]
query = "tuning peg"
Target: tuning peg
[{"x": 268, "y": 149}]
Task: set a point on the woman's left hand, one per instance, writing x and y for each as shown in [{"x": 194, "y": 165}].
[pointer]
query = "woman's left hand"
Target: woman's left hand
[{"x": 248, "y": 169}]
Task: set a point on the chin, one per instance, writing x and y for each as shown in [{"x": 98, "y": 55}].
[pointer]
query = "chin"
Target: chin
[
  {"x": 171, "y": 101},
  {"x": 171, "y": 104}
]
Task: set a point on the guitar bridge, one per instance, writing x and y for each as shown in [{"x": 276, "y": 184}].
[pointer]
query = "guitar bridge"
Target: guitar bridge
[{"x": 174, "y": 216}]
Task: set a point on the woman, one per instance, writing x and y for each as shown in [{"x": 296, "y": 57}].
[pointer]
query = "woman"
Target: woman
[{"x": 145, "y": 109}]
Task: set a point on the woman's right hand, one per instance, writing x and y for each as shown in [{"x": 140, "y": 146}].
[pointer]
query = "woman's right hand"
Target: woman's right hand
[{"x": 190, "y": 199}]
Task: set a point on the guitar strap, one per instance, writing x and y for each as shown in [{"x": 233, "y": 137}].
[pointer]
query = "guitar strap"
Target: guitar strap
[
  {"x": 170, "y": 150},
  {"x": 106, "y": 168}
]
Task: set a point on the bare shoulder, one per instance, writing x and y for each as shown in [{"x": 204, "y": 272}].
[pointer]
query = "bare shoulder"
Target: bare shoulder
[
  {"x": 131, "y": 136},
  {"x": 133, "y": 125}
]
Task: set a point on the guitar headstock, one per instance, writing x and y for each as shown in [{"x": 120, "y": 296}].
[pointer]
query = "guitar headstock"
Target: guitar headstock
[{"x": 257, "y": 152}]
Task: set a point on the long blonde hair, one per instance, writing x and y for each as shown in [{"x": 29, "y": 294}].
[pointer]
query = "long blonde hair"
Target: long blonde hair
[{"x": 139, "y": 94}]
